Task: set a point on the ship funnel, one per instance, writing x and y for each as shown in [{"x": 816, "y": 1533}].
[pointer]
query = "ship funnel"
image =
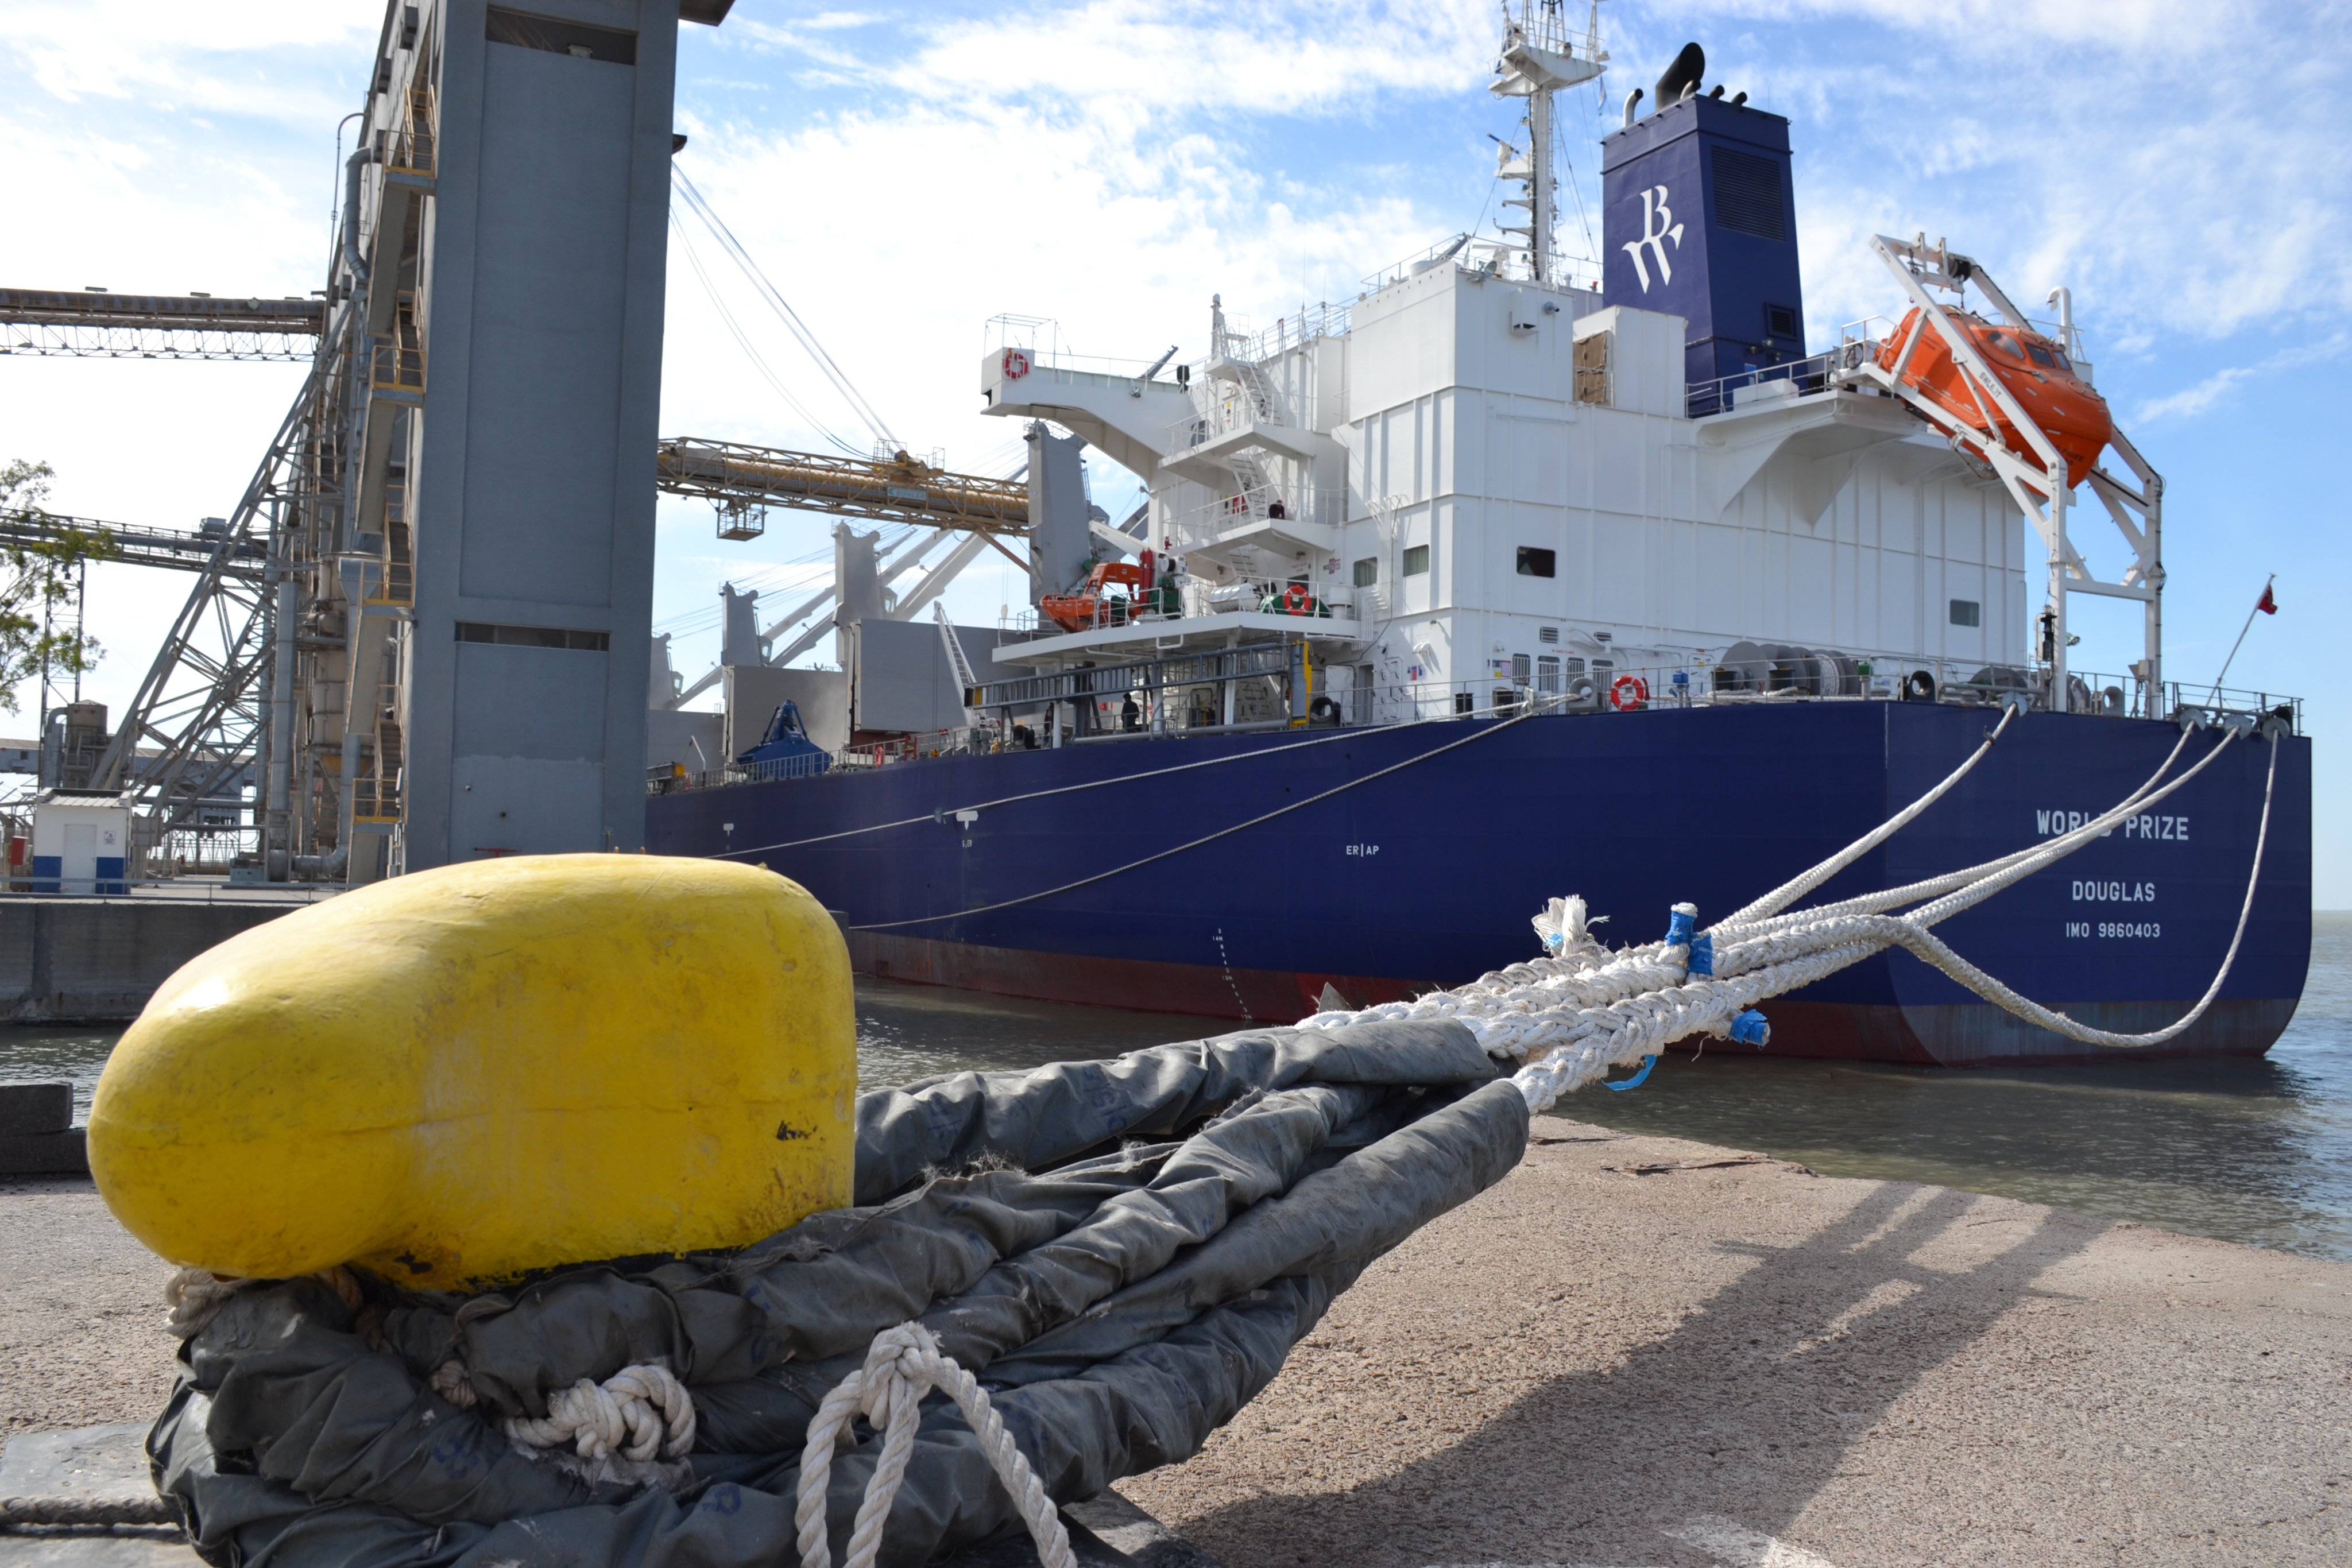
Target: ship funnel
[
  {"x": 1699, "y": 221},
  {"x": 1682, "y": 76}
]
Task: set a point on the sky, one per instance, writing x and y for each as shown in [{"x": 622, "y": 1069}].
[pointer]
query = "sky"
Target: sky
[{"x": 904, "y": 174}]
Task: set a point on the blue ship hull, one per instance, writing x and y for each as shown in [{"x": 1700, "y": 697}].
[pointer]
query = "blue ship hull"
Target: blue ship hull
[{"x": 1439, "y": 842}]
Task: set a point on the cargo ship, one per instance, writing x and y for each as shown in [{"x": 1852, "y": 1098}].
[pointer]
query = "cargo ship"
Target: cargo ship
[{"x": 1517, "y": 576}]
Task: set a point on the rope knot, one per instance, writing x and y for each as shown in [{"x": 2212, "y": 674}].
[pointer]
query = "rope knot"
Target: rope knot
[
  {"x": 638, "y": 1412},
  {"x": 902, "y": 1365}
]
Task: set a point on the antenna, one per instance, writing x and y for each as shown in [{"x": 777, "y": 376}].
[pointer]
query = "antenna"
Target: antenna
[{"x": 1537, "y": 59}]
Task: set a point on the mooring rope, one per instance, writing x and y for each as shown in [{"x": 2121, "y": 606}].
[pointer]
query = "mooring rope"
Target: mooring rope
[
  {"x": 902, "y": 1365},
  {"x": 1788, "y": 893},
  {"x": 86, "y": 1512},
  {"x": 946, "y": 812},
  {"x": 1570, "y": 1018},
  {"x": 1534, "y": 710}
]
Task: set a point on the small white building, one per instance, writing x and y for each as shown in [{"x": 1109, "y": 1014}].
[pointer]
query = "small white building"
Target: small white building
[{"x": 81, "y": 841}]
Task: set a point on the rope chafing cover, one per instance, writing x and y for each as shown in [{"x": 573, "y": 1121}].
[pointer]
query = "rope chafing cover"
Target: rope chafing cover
[{"x": 1123, "y": 1254}]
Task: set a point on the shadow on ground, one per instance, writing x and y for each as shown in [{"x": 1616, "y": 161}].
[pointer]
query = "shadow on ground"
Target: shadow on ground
[{"x": 1741, "y": 1414}]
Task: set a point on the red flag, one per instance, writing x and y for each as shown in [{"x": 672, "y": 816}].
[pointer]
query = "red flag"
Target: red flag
[{"x": 2267, "y": 605}]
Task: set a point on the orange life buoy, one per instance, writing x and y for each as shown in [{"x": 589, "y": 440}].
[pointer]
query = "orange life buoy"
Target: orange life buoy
[
  {"x": 1627, "y": 693},
  {"x": 1295, "y": 600}
]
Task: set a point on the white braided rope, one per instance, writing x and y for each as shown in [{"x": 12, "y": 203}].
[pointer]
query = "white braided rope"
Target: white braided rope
[
  {"x": 1951, "y": 881},
  {"x": 1788, "y": 893},
  {"x": 902, "y": 1365},
  {"x": 195, "y": 1297},
  {"x": 1570, "y": 1018},
  {"x": 636, "y": 1413}
]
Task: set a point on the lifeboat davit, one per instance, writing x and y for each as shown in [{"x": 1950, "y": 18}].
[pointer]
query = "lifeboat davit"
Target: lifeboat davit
[{"x": 2035, "y": 370}]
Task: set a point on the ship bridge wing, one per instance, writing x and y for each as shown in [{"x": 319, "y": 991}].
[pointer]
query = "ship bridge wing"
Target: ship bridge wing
[{"x": 1124, "y": 417}]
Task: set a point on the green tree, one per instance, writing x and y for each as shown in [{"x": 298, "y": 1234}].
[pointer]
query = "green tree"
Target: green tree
[{"x": 40, "y": 573}]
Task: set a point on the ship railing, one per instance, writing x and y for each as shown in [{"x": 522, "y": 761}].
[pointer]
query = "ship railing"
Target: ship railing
[
  {"x": 1040, "y": 337},
  {"x": 1548, "y": 27},
  {"x": 1219, "y": 409},
  {"x": 1209, "y": 522},
  {"x": 1789, "y": 378},
  {"x": 1590, "y": 684},
  {"x": 1420, "y": 261},
  {"x": 410, "y": 149},
  {"x": 675, "y": 778},
  {"x": 1566, "y": 274},
  {"x": 1162, "y": 699},
  {"x": 1571, "y": 685},
  {"x": 1198, "y": 596},
  {"x": 1298, "y": 597},
  {"x": 965, "y": 740},
  {"x": 1292, "y": 330}
]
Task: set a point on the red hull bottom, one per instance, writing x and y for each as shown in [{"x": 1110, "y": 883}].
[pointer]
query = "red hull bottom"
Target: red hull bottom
[{"x": 1925, "y": 1036}]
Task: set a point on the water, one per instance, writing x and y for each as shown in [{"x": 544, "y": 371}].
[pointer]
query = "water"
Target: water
[{"x": 2246, "y": 1151}]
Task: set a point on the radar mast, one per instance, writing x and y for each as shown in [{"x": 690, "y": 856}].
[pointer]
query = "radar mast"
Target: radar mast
[{"x": 1540, "y": 56}]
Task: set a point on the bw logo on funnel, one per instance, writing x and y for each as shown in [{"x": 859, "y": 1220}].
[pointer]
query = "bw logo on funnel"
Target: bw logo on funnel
[{"x": 1658, "y": 227}]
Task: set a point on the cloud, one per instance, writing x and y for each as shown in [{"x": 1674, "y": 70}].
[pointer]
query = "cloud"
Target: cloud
[
  {"x": 903, "y": 176},
  {"x": 2198, "y": 398},
  {"x": 177, "y": 56},
  {"x": 1311, "y": 58},
  {"x": 2173, "y": 162}
]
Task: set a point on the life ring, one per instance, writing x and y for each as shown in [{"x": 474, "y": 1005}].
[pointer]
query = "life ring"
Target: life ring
[
  {"x": 1627, "y": 693},
  {"x": 1296, "y": 600}
]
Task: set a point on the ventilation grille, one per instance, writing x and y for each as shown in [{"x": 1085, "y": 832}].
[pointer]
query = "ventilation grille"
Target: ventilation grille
[{"x": 1747, "y": 195}]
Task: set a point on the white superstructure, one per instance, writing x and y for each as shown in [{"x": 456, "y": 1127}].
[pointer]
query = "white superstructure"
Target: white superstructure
[{"x": 1481, "y": 480}]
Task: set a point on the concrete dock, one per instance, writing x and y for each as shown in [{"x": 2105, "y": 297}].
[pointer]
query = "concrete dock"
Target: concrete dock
[
  {"x": 1642, "y": 1352},
  {"x": 97, "y": 961}
]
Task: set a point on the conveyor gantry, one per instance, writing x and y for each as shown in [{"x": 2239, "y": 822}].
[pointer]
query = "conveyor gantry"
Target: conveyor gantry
[
  {"x": 897, "y": 489},
  {"x": 96, "y": 324}
]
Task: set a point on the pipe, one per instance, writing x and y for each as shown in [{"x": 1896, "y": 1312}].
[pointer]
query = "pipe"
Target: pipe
[
  {"x": 1633, "y": 102},
  {"x": 326, "y": 865},
  {"x": 1682, "y": 78},
  {"x": 2064, "y": 298},
  {"x": 347, "y": 805},
  {"x": 278, "y": 841},
  {"x": 361, "y": 156}
]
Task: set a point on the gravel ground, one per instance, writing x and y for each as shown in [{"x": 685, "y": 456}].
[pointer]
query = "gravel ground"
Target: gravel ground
[
  {"x": 1737, "y": 1361},
  {"x": 81, "y": 1311},
  {"x": 1642, "y": 1352}
]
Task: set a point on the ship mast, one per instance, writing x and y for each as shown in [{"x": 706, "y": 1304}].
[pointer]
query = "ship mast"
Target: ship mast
[{"x": 1538, "y": 58}]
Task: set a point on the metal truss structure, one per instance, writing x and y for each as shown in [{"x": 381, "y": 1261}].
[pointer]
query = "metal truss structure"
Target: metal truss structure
[
  {"x": 199, "y": 707},
  {"x": 178, "y": 549},
  {"x": 2134, "y": 505},
  {"x": 899, "y": 489},
  {"x": 98, "y": 325}
]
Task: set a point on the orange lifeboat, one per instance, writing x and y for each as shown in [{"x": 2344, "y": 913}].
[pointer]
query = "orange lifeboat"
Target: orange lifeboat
[
  {"x": 1089, "y": 607},
  {"x": 2035, "y": 370}
]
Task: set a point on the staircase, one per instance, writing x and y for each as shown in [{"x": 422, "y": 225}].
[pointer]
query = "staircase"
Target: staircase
[{"x": 958, "y": 664}]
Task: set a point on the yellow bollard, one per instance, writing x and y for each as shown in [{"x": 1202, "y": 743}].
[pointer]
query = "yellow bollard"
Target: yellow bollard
[{"x": 461, "y": 1075}]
